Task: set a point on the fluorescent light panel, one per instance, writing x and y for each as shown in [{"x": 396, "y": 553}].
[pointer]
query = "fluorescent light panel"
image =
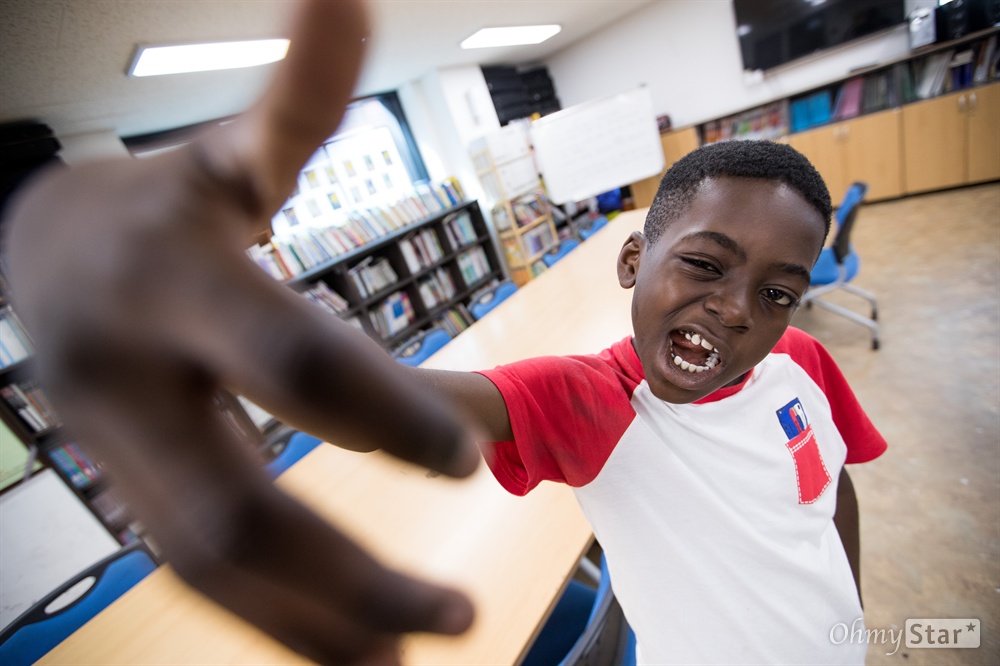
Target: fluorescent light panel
[
  {"x": 510, "y": 36},
  {"x": 183, "y": 58}
]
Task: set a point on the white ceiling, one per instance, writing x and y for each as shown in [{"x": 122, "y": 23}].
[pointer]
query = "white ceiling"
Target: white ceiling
[{"x": 64, "y": 61}]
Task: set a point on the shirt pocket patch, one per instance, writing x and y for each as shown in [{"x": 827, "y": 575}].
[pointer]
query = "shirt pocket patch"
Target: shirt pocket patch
[{"x": 811, "y": 474}]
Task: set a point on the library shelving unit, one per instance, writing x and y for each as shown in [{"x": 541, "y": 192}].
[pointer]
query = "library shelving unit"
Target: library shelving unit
[
  {"x": 921, "y": 122},
  {"x": 521, "y": 212},
  {"x": 407, "y": 280},
  {"x": 27, "y": 414}
]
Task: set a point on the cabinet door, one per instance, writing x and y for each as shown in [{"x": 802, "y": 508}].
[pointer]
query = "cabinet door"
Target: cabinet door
[
  {"x": 873, "y": 154},
  {"x": 677, "y": 144},
  {"x": 934, "y": 143},
  {"x": 824, "y": 149},
  {"x": 984, "y": 133}
]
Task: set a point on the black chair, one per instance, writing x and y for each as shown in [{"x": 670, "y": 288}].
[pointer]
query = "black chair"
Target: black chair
[
  {"x": 839, "y": 264},
  {"x": 45, "y": 625}
]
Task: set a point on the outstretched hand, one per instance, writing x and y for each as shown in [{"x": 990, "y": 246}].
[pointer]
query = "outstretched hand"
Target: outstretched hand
[{"x": 132, "y": 278}]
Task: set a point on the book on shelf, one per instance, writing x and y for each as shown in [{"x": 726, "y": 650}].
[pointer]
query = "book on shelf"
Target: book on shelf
[
  {"x": 15, "y": 344},
  {"x": 474, "y": 265},
  {"x": 985, "y": 60},
  {"x": 81, "y": 470},
  {"x": 538, "y": 240},
  {"x": 934, "y": 69},
  {"x": 393, "y": 315},
  {"x": 529, "y": 208},
  {"x": 32, "y": 404},
  {"x": 436, "y": 288},
  {"x": 456, "y": 320},
  {"x": 322, "y": 295},
  {"x": 421, "y": 249},
  {"x": 373, "y": 275},
  {"x": 292, "y": 253},
  {"x": 110, "y": 507},
  {"x": 459, "y": 230}
]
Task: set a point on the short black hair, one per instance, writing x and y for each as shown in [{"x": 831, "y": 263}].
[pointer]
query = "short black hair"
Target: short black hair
[{"x": 766, "y": 160}]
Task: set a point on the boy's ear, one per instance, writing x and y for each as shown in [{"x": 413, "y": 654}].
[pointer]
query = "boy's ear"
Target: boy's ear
[{"x": 628, "y": 259}]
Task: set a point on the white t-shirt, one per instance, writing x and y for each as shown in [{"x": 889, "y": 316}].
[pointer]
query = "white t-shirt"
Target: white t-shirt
[{"x": 716, "y": 517}]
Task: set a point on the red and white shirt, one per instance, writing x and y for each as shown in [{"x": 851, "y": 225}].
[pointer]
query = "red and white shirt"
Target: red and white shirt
[{"x": 716, "y": 516}]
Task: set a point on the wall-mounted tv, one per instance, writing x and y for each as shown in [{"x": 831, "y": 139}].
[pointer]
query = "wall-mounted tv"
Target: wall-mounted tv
[{"x": 773, "y": 32}]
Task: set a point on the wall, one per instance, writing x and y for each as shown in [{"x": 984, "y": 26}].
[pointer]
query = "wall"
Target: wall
[{"x": 687, "y": 52}]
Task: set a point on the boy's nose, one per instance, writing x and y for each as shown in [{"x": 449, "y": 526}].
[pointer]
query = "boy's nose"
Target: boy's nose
[{"x": 732, "y": 308}]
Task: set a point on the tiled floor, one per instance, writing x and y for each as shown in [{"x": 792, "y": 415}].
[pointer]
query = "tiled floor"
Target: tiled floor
[{"x": 930, "y": 507}]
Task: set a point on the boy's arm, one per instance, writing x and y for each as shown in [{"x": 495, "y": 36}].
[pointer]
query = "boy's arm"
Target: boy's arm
[
  {"x": 846, "y": 520},
  {"x": 473, "y": 394}
]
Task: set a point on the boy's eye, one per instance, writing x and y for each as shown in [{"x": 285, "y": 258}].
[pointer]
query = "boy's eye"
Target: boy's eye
[
  {"x": 700, "y": 264},
  {"x": 779, "y": 297}
]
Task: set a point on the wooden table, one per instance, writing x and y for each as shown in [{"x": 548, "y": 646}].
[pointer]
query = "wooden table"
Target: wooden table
[{"x": 512, "y": 555}]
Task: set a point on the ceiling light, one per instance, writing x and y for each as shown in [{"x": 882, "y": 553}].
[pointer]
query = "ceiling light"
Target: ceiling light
[
  {"x": 512, "y": 36},
  {"x": 182, "y": 58}
]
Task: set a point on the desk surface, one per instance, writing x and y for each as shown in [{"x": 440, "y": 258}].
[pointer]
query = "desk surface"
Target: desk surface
[{"x": 470, "y": 533}]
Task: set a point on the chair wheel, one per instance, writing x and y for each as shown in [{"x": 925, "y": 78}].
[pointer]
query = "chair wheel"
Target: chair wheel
[
  {"x": 874, "y": 314},
  {"x": 809, "y": 305},
  {"x": 874, "y": 344}
]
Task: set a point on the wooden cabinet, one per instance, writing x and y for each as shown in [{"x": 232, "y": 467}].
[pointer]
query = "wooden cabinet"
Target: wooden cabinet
[
  {"x": 983, "y": 135},
  {"x": 952, "y": 140},
  {"x": 865, "y": 149},
  {"x": 676, "y": 144}
]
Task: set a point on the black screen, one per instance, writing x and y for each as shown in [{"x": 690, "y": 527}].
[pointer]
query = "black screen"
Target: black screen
[{"x": 773, "y": 32}]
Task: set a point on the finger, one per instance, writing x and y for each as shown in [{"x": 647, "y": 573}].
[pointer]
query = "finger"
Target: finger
[
  {"x": 228, "y": 531},
  {"x": 316, "y": 372},
  {"x": 301, "y": 107}
]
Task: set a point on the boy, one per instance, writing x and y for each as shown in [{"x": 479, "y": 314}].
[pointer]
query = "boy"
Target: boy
[{"x": 705, "y": 451}]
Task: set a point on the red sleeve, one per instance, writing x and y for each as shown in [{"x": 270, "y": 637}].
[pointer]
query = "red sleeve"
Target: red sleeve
[
  {"x": 863, "y": 441},
  {"x": 567, "y": 415}
]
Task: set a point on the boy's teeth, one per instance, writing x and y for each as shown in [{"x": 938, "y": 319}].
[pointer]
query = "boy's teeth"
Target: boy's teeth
[
  {"x": 696, "y": 339},
  {"x": 706, "y": 344}
]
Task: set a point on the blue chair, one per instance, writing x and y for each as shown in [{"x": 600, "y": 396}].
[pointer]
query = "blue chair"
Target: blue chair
[
  {"x": 421, "y": 346},
  {"x": 298, "y": 445},
  {"x": 484, "y": 300},
  {"x": 839, "y": 264},
  {"x": 586, "y": 627},
  {"x": 594, "y": 227},
  {"x": 560, "y": 251},
  {"x": 38, "y": 630}
]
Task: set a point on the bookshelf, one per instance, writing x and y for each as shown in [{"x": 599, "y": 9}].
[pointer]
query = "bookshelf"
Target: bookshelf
[
  {"x": 921, "y": 122},
  {"x": 521, "y": 213},
  {"x": 27, "y": 413},
  {"x": 419, "y": 274}
]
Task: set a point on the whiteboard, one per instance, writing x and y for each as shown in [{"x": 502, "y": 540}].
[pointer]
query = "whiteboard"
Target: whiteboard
[
  {"x": 597, "y": 146},
  {"x": 47, "y": 536}
]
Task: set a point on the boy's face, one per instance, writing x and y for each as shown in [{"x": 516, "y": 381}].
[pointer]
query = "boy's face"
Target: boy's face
[{"x": 718, "y": 288}]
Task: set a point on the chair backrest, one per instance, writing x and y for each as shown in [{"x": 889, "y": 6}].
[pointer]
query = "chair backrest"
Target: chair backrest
[
  {"x": 298, "y": 445},
  {"x": 594, "y": 227},
  {"x": 564, "y": 248},
  {"x": 484, "y": 300},
  {"x": 847, "y": 212},
  {"x": 607, "y": 639},
  {"x": 419, "y": 348},
  {"x": 39, "y": 629}
]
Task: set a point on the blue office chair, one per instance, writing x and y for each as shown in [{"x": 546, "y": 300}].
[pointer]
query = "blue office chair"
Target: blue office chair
[
  {"x": 487, "y": 298},
  {"x": 586, "y": 627},
  {"x": 839, "y": 264},
  {"x": 298, "y": 445},
  {"x": 560, "y": 251},
  {"x": 419, "y": 348},
  {"x": 594, "y": 227},
  {"x": 38, "y": 630}
]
